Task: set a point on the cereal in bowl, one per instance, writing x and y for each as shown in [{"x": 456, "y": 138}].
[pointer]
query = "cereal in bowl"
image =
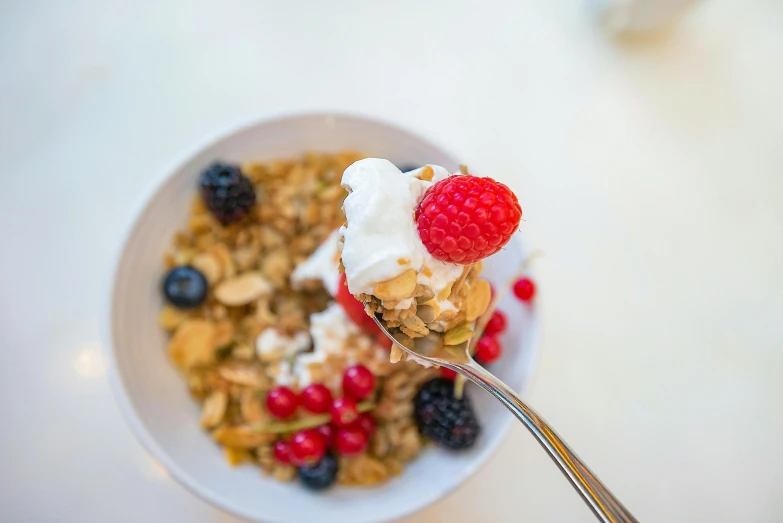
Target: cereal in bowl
[{"x": 291, "y": 373}]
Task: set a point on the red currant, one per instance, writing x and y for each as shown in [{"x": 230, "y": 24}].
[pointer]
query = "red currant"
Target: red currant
[
  {"x": 327, "y": 433},
  {"x": 488, "y": 349},
  {"x": 282, "y": 402},
  {"x": 496, "y": 324},
  {"x": 358, "y": 382},
  {"x": 448, "y": 373},
  {"x": 525, "y": 289},
  {"x": 351, "y": 440},
  {"x": 282, "y": 450},
  {"x": 366, "y": 423},
  {"x": 344, "y": 412},
  {"x": 316, "y": 398},
  {"x": 307, "y": 448}
]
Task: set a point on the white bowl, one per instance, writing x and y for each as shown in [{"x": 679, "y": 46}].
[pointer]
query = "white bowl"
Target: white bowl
[{"x": 153, "y": 396}]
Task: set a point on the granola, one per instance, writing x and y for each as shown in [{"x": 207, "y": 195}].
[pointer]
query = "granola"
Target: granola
[{"x": 267, "y": 319}]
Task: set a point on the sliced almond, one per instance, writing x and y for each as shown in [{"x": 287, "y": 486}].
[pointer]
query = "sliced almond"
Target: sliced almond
[
  {"x": 214, "y": 409},
  {"x": 242, "y": 289},
  {"x": 242, "y": 436},
  {"x": 446, "y": 292},
  {"x": 477, "y": 300},
  {"x": 397, "y": 288},
  {"x": 223, "y": 256},
  {"x": 170, "y": 317},
  {"x": 192, "y": 344},
  {"x": 455, "y": 288},
  {"x": 252, "y": 408},
  {"x": 224, "y": 334},
  {"x": 447, "y": 315},
  {"x": 243, "y": 351},
  {"x": 247, "y": 376},
  {"x": 276, "y": 267},
  {"x": 209, "y": 266},
  {"x": 247, "y": 257}
]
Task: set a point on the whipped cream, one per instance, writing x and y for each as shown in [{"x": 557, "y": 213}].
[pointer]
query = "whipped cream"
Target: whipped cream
[
  {"x": 381, "y": 240},
  {"x": 270, "y": 344},
  {"x": 335, "y": 337},
  {"x": 322, "y": 265}
]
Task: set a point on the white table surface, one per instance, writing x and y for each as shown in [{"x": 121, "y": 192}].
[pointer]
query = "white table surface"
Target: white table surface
[{"x": 650, "y": 173}]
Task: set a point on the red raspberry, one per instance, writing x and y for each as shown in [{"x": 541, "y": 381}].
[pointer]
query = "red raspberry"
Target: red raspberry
[{"x": 464, "y": 219}]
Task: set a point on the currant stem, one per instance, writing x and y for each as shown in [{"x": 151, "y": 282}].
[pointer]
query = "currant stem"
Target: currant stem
[{"x": 305, "y": 423}]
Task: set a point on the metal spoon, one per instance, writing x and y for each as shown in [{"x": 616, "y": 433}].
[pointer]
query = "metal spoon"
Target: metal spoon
[{"x": 432, "y": 350}]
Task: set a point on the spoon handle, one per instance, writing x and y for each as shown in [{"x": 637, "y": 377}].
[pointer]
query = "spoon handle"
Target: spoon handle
[{"x": 601, "y": 501}]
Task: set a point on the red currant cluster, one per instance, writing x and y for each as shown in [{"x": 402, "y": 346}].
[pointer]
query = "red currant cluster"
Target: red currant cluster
[
  {"x": 348, "y": 431},
  {"x": 488, "y": 348}
]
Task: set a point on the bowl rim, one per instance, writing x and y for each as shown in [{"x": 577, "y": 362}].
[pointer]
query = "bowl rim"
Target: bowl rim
[{"x": 116, "y": 381}]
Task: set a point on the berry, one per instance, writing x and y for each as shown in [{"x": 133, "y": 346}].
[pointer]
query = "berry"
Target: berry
[
  {"x": 358, "y": 382},
  {"x": 344, "y": 412},
  {"x": 448, "y": 373},
  {"x": 327, "y": 433},
  {"x": 282, "y": 451},
  {"x": 525, "y": 289},
  {"x": 351, "y": 440},
  {"x": 488, "y": 350},
  {"x": 227, "y": 192},
  {"x": 282, "y": 402},
  {"x": 407, "y": 167},
  {"x": 354, "y": 309},
  {"x": 496, "y": 324},
  {"x": 463, "y": 219},
  {"x": 366, "y": 423},
  {"x": 321, "y": 475},
  {"x": 185, "y": 287},
  {"x": 316, "y": 398},
  {"x": 446, "y": 420},
  {"x": 307, "y": 448}
]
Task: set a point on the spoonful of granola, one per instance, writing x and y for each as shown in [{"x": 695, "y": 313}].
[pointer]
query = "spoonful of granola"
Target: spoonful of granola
[{"x": 411, "y": 252}]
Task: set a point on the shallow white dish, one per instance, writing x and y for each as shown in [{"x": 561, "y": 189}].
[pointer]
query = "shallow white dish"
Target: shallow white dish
[{"x": 153, "y": 396}]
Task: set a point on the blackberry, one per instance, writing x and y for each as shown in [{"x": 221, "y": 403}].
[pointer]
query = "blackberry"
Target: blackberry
[
  {"x": 227, "y": 192},
  {"x": 321, "y": 475},
  {"x": 446, "y": 420},
  {"x": 185, "y": 287}
]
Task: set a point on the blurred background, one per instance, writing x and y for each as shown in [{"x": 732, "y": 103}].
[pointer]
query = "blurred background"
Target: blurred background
[{"x": 650, "y": 169}]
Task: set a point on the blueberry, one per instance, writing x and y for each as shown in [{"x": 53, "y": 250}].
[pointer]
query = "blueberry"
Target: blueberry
[
  {"x": 321, "y": 475},
  {"x": 405, "y": 167},
  {"x": 185, "y": 287}
]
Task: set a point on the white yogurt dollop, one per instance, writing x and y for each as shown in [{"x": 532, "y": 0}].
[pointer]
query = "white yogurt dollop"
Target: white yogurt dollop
[
  {"x": 381, "y": 240},
  {"x": 322, "y": 265},
  {"x": 333, "y": 334},
  {"x": 271, "y": 344}
]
